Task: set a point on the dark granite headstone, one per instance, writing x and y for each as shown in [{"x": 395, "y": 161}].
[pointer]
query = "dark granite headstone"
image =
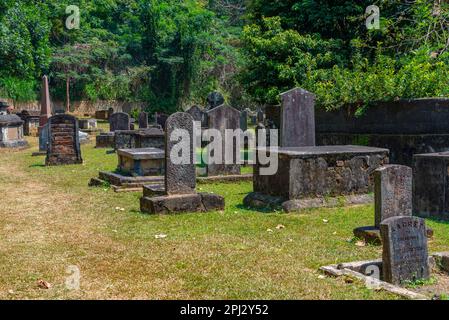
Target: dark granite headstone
[
  {"x": 119, "y": 121},
  {"x": 297, "y": 118},
  {"x": 431, "y": 185},
  {"x": 180, "y": 178},
  {"x": 405, "y": 254},
  {"x": 244, "y": 120},
  {"x": 43, "y": 138},
  {"x": 273, "y": 115},
  {"x": 215, "y": 99},
  {"x": 63, "y": 141},
  {"x": 393, "y": 192},
  {"x": 196, "y": 113},
  {"x": 222, "y": 118},
  {"x": 161, "y": 119},
  {"x": 143, "y": 120}
]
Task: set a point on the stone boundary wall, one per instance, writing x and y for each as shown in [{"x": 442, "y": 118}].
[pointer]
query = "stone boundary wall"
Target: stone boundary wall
[
  {"x": 80, "y": 107},
  {"x": 405, "y": 127}
]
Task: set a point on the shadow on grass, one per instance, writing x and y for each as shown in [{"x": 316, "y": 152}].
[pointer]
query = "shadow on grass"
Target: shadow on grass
[
  {"x": 38, "y": 165},
  {"x": 437, "y": 220},
  {"x": 260, "y": 210}
]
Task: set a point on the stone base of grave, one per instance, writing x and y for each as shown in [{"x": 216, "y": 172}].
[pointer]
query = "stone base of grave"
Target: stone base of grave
[
  {"x": 372, "y": 235},
  {"x": 370, "y": 272},
  {"x": 93, "y": 131},
  {"x": 122, "y": 183},
  {"x": 105, "y": 140},
  {"x": 225, "y": 179},
  {"x": 262, "y": 201},
  {"x": 170, "y": 204},
  {"x": 15, "y": 144}
]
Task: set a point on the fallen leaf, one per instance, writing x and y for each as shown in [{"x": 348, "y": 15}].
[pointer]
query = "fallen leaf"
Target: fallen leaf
[
  {"x": 321, "y": 277},
  {"x": 325, "y": 221},
  {"x": 334, "y": 233},
  {"x": 349, "y": 280},
  {"x": 280, "y": 226},
  {"x": 43, "y": 284},
  {"x": 269, "y": 230},
  {"x": 160, "y": 236}
]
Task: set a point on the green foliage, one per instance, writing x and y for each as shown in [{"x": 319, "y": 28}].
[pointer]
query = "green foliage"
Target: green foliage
[
  {"x": 324, "y": 47},
  {"x": 18, "y": 89}
]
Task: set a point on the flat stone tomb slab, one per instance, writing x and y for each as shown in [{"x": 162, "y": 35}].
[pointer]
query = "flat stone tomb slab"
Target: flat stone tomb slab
[
  {"x": 320, "y": 171},
  {"x": 141, "y": 162}
]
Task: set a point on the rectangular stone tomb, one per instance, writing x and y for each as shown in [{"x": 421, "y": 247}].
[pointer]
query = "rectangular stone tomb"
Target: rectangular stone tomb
[
  {"x": 431, "y": 185},
  {"x": 105, "y": 140},
  {"x": 141, "y": 162},
  {"x": 144, "y": 138},
  {"x": 321, "y": 171}
]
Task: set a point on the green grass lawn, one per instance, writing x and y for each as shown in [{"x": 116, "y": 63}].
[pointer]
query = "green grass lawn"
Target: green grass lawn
[{"x": 50, "y": 219}]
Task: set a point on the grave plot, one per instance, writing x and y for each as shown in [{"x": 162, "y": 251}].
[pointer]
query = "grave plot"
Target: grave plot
[
  {"x": 136, "y": 168},
  {"x": 406, "y": 268},
  {"x": 117, "y": 121},
  {"x": 89, "y": 126}
]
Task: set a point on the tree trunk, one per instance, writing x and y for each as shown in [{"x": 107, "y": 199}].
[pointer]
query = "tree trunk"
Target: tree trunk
[{"x": 67, "y": 95}]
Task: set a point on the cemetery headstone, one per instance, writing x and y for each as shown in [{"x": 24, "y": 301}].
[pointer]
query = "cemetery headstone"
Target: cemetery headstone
[
  {"x": 43, "y": 138},
  {"x": 180, "y": 178},
  {"x": 297, "y": 118},
  {"x": 143, "y": 120},
  {"x": 260, "y": 116},
  {"x": 405, "y": 253},
  {"x": 222, "y": 118},
  {"x": 63, "y": 141},
  {"x": 161, "y": 119},
  {"x": 196, "y": 113},
  {"x": 393, "y": 192},
  {"x": 119, "y": 121}
]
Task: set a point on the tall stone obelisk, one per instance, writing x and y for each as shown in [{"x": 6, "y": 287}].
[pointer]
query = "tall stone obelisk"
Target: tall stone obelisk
[{"x": 45, "y": 103}]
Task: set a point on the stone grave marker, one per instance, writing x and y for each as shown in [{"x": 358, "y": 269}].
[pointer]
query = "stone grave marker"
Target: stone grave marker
[
  {"x": 244, "y": 120},
  {"x": 179, "y": 194},
  {"x": 63, "y": 141},
  {"x": 196, "y": 113},
  {"x": 297, "y": 118},
  {"x": 119, "y": 121},
  {"x": 405, "y": 254},
  {"x": 143, "y": 120},
  {"x": 260, "y": 116},
  {"x": 393, "y": 192},
  {"x": 180, "y": 178},
  {"x": 222, "y": 118}
]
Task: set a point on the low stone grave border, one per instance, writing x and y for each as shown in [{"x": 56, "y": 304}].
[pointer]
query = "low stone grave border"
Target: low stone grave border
[
  {"x": 259, "y": 200},
  {"x": 356, "y": 270},
  {"x": 122, "y": 183}
]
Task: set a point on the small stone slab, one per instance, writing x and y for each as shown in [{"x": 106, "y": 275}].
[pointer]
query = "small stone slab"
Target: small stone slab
[
  {"x": 405, "y": 253},
  {"x": 196, "y": 202},
  {"x": 142, "y": 153},
  {"x": 196, "y": 113}
]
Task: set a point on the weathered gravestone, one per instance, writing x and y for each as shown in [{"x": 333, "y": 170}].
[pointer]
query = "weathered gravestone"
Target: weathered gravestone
[
  {"x": 393, "y": 192},
  {"x": 180, "y": 178},
  {"x": 143, "y": 120},
  {"x": 43, "y": 138},
  {"x": 119, "y": 121},
  {"x": 179, "y": 194},
  {"x": 45, "y": 103},
  {"x": 160, "y": 119},
  {"x": 244, "y": 120},
  {"x": 196, "y": 113},
  {"x": 63, "y": 141},
  {"x": 405, "y": 254},
  {"x": 222, "y": 118},
  {"x": 297, "y": 118}
]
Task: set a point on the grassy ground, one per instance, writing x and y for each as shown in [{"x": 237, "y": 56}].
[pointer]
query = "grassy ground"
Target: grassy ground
[{"x": 50, "y": 219}]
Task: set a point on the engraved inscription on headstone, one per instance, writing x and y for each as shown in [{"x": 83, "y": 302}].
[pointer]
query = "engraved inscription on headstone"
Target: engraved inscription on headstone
[{"x": 405, "y": 255}]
